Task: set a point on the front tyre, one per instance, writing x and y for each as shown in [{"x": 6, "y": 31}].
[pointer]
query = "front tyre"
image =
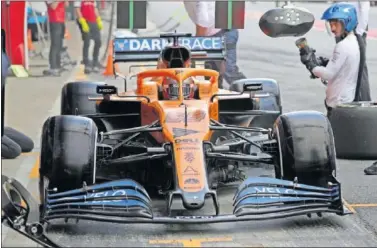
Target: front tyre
[
  {"x": 267, "y": 99},
  {"x": 68, "y": 153},
  {"x": 306, "y": 148}
]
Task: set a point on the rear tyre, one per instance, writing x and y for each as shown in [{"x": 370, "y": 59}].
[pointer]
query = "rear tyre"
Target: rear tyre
[
  {"x": 270, "y": 102},
  {"x": 74, "y": 98},
  {"x": 306, "y": 148},
  {"x": 68, "y": 153}
]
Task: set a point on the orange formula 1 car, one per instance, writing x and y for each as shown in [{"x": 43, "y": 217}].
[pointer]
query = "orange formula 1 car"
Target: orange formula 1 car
[{"x": 178, "y": 136}]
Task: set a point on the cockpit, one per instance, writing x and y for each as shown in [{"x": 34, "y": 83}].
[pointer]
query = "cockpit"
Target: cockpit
[{"x": 177, "y": 57}]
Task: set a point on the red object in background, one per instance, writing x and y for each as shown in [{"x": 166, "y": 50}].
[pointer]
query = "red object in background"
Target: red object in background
[
  {"x": 102, "y": 4},
  {"x": 88, "y": 10},
  {"x": 13, "y": 21},
  {"x": 57, "y": 15}
]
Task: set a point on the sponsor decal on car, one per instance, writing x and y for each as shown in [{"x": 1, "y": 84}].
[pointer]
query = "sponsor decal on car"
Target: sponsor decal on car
[
  {"x": 157, "y": 44},
  {"x": 179, "y": 132},
  {"x": 190, "y": 171},
  {"x": 189, "y": 157},
  {"x": 179, "y": 117}
]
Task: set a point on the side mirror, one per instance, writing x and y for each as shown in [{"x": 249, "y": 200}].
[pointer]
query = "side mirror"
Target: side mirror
[
  {"x": 286, "y": 21},
  {"x": 107, "y": 89},
  {"x": 252, "y": 86},
  {"x": 123, "y": 77}
]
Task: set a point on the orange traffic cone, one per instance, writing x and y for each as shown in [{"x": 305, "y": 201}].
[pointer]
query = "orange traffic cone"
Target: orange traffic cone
[
  {"x": 110, "y": 67},
  {"x": 30, "y": 45}
]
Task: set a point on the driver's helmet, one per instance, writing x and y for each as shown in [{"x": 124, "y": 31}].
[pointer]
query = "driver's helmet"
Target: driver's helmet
[
  {"x": 343, "y": 12},
  {"x": 171, "y": 88}
]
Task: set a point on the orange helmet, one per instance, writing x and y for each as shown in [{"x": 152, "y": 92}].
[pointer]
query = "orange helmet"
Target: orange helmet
[{"x": 171, "y": 89}]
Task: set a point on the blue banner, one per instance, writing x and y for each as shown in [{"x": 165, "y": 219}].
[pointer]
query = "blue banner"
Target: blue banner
[{"x": 157, "y": 44}]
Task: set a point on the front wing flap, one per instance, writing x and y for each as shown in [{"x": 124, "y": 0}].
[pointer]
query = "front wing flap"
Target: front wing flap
[
  {"x": 257, "y": 198},
  {"x": 270, "y": 195},
  {"x": 123, "y": 198}
]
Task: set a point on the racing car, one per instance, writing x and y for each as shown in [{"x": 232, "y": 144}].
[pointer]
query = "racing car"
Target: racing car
[{"x": 110, "y": 153}]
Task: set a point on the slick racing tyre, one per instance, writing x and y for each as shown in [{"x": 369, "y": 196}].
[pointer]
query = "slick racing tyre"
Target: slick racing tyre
[
  {"x": 306, "y": 148},
  {"x": 270, "y": 100},
  {"x": 26, "y": 144},
  {"x": 355, "y": 130},
  {"x": 9, "y": 148},
  {"x": 74, "y": 98},
  {"x": 68, "y": 153}
]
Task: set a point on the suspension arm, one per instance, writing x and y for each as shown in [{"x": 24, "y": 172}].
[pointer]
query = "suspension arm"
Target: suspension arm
[
  {"x": 263, "y": 157},
  {"x": 133, "y": 130},
  {"x": 146, "y": 128},
  {"x": 238, "y": 135}
]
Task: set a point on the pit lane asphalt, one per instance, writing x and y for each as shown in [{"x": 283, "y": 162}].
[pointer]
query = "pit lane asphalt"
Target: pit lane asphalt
[{"x": 259, "y": 56}]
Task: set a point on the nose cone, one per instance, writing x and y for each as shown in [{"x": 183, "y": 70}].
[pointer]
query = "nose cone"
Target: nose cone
[{"x": 193, "y": 201}]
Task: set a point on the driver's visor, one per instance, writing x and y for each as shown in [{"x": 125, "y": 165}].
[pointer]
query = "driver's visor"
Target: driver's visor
[{"x": 172, "y": 90}]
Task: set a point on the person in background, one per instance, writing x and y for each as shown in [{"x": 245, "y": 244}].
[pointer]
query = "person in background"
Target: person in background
[
  {"x": 341, "y": 70},
  {"x": 202, "y": 13},
  {"x": 362, "y": 10},
  {"x": 232, "y": 72},
  {"x": 371, "y": 170},
  {"x": 56, "y": 17},
  {"x": 90, "y": 24}
]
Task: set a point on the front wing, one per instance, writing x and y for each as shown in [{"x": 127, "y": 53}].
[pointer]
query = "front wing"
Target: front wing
[{"x": 257, "y": 198}]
